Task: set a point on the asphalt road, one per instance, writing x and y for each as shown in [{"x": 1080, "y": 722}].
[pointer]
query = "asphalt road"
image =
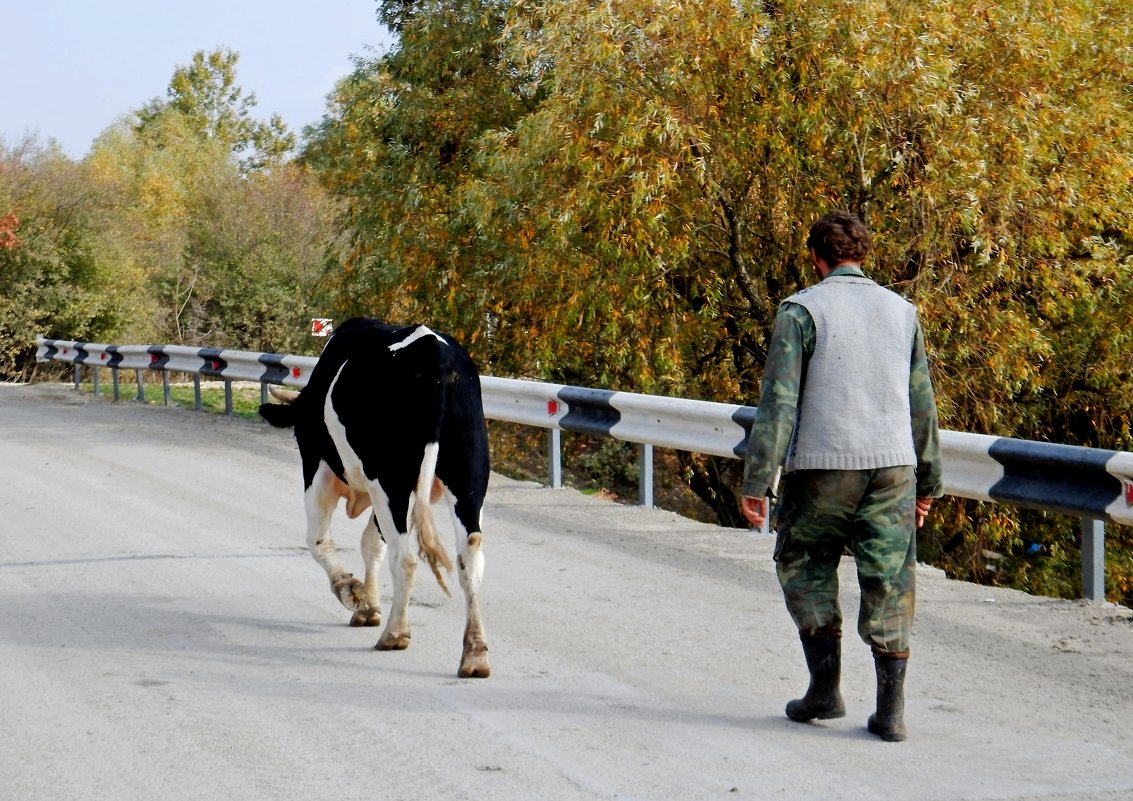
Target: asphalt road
[{"x": 164, "y": 635}]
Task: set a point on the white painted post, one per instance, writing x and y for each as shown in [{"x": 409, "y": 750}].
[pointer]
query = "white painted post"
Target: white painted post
[
  {"x": 645, "y": 480},
  {"x": 554, "y": 458}
]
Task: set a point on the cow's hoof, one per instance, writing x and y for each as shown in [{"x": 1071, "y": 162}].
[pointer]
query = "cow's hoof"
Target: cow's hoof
[
  {"x": 349, "y": 592},
  {"x": 397, "y": 642},
  {"x": 474, "y": 664},
  {"x": 479, "y": 669},
  {"x": 366, "y": 617}
]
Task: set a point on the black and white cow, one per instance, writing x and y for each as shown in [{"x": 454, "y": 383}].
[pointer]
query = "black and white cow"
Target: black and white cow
[{"x": 392, "y": 418}]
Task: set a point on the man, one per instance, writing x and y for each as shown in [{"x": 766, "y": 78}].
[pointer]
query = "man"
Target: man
[{"x": 847, "y": 412}]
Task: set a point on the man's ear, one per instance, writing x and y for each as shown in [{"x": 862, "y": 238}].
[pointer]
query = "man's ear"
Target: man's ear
[{"x": 819, "y": 264}]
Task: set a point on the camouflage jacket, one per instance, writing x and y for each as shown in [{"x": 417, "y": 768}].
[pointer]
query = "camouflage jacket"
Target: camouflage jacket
[{"x": 792, "y": 343}]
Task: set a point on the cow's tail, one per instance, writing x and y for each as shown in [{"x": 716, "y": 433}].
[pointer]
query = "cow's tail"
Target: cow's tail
[{"x": 429, "y": 545}]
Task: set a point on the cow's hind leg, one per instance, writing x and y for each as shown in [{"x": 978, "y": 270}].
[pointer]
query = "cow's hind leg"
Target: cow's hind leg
[
  {"x": 320, "y": 501},
  {"x": 373, "y": 551},
  {"x": 403, "y": 568},
  {"x": 470, "y": 561},
  {"x": 470, "y": 568}
]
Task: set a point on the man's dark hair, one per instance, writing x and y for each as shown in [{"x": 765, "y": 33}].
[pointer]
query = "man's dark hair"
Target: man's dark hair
[{"x": 840, "y": 237}]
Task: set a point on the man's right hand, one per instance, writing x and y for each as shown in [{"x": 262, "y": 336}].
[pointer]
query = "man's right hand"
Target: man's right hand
[{"x": 923, "y": 505}]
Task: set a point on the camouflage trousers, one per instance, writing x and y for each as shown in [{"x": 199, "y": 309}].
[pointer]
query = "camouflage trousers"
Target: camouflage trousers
[{"x": 870, "y": 513}]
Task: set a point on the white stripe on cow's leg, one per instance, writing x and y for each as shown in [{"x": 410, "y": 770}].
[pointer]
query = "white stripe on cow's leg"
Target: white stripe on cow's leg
[
  {"x": 373, "y": 551},
  {"x": 320, "y": 500},
  {"x": 470, "y": 568}
]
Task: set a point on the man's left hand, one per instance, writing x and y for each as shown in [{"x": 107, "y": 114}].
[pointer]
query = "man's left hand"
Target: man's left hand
[{"x": 754, "y": 509}]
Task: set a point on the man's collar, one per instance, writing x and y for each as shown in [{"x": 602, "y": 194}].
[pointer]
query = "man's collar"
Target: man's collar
[{"x": 846, "y": 269}]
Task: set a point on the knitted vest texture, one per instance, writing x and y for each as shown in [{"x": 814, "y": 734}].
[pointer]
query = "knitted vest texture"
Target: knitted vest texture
[{"x": 854, "y": 409}]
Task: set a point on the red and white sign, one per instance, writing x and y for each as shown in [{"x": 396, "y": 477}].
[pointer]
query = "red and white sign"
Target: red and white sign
[{"x": 322, "y": 327}]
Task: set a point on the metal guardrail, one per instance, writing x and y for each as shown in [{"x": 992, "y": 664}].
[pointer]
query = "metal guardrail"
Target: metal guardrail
[{"x": 1093, "y": 484}]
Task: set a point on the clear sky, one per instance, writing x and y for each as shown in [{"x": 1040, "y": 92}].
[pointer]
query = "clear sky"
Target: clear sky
[{"x": 69, "y": 68}]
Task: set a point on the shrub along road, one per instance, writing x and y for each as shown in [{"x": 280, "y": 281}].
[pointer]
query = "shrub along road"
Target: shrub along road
[{"x": 163, "y": 634}]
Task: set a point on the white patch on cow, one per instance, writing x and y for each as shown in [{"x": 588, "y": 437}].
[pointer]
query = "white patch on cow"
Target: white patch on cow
[
  {"x": 351, "y": 464},
  {"x": 421, "y": 331}
]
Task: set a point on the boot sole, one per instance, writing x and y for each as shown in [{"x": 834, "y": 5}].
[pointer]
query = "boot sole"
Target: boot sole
[{"x": 809, "y": 715}]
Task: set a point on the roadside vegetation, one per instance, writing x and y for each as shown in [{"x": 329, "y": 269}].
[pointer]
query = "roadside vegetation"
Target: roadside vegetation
[{"x": 615, "y": 195}]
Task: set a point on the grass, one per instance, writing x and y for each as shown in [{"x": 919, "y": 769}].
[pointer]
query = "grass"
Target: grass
[{"x": 245, "y": 396}]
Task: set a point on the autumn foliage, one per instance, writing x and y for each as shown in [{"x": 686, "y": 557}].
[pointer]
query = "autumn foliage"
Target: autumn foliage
[
  {"x": 616, "y": 194},
  {"x": 8, "y": 226}
]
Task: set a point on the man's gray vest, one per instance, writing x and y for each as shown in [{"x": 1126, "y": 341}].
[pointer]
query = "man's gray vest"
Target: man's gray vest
[{"x": 854, "y": 404}]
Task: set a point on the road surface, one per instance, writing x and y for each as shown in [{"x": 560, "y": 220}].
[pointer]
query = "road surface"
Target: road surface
[{"x": 164, "y": 635}]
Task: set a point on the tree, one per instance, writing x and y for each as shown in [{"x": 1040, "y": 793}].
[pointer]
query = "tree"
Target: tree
[
  {"x": 634, "y": 217},
  {"x": 58, "y": 272},
  {"x": 227, "y": 259},
  {"x": 401, "y": 136},
  {"x": 212, "y": 106},
  {"x": 683, "y": 149}
]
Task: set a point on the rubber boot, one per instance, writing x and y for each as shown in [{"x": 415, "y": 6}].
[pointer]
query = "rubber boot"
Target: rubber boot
[
  {"x": 888, "y": 722},
  {"x": 823, "y": 699}
]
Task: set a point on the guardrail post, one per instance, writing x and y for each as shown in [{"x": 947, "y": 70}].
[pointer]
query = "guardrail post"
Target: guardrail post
[
  {"x": 554, "y": 458},
  {"x": 94, "y": 370},
  {"x": 141, "y": 386},
  {"x": 645, "y": 479},
  {"x": 78, "y": 374},
  {"x": 114, "y": 381},
  {"x": 1093, "y": 560},
  {"x": 228, "y": 396},
  {"x": 197, "y": 391},
  {"x": 263, "y": 392},
  {"x": 165, "y": 386}
]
